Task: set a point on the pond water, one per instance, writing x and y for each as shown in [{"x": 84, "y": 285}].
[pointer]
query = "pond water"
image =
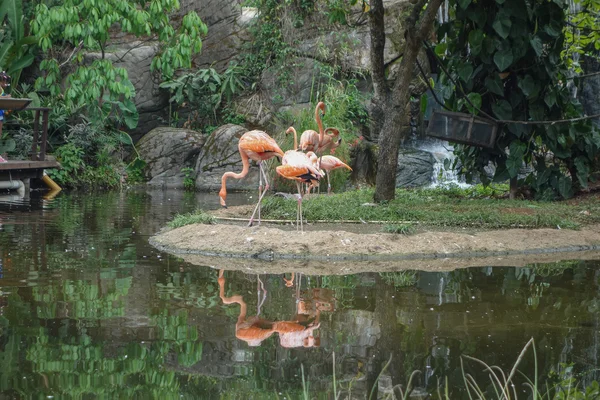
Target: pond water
[{"x": 89, "y": 309}]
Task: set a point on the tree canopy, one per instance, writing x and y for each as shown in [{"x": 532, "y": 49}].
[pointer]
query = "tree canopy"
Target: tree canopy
[{"x": 87, "y": 26}]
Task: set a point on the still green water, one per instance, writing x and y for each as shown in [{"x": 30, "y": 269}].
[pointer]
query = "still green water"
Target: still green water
[{"x": 88, "y": 309}]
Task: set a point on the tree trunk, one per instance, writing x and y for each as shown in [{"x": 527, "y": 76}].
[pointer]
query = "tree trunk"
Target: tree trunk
[
  {"x": 395, "y": 117},
  {"x": 393, "y": 102}
]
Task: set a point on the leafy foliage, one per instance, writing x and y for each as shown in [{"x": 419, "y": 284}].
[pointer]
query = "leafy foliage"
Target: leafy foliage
[
  {"x": 103, "y": 89},
  {"x": 16, "y": 47},
  {"x": 203, "y": 92},
  {"x": 513, "y": 70},
  {"x": 582, "y": 32}
]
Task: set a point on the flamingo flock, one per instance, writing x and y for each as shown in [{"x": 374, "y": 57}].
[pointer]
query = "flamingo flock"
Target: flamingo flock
[{"x": 304, "y": 164}]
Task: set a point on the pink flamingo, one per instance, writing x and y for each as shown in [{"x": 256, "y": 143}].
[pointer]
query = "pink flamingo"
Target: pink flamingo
[
  {"x": 329, "y": 163},
  {"x": 258, "y": 146},
  {"x": 330, "y": 140},
  {"x": 297, "y": 166},
  {"x": 309, "y": 140}
]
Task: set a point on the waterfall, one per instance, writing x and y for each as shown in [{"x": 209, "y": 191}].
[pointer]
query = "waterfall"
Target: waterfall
[{"x": 443, "y": 153}]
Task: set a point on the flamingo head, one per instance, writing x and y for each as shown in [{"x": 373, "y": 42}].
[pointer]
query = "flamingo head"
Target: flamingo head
[{"x": 321, "y": 106}]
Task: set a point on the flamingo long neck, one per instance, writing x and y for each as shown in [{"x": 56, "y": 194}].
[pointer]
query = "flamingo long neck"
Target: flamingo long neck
[
  {"x": 245, "y": 169},
  {"x": 292, "y": 129},
  {"x": 233, "y": 299},
  {"x": 319, "y": 123}
]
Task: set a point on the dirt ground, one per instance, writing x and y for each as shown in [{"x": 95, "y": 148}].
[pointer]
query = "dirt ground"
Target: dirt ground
[{"x": 353, "y": 248}]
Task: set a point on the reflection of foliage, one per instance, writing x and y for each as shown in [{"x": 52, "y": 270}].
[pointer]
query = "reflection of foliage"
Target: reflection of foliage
[
  {"x": 344, "y": 288},
  {"x": 184, "y": 288},
  {"x": 400, "y": 279},
  {"x": 175, "y": 328},
  {"x": 84, "y": 299},
  {"x": 553, "y": 269},
  {"x": 75, "y": 365}
]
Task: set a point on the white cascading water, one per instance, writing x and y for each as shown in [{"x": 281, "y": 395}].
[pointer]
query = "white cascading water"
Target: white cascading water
[{"x": 443, "y": 154}]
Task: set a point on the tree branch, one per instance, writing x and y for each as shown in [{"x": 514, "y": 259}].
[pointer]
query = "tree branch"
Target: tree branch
[
  {"x": 75, "y": 49},
  {"x": 427, "y": 20},
  {"x": 377, "y": 30}
]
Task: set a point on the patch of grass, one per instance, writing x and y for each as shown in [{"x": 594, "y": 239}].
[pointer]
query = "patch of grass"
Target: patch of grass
[
  {"x": 198, "y": 217},
  {"x": 404, "y": 229},
  {"x": 439, "y": 207},
  {"x": 400, "y": 279}
]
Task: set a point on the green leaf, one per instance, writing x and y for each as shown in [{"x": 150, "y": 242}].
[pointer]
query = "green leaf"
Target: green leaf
[
  {"x": 529, "y": 86},
  {"x": 503, "y": 59},
  {"x": 424, "y": 103},
  {"x": 543, "y": 177},
  {"x": 478, "y": 16},
  {"x": 475, "y": 98},
  {"x": 4, "y": 50},
  {"x": 515, "y": 158},
  {"x": 13, "y": 9},
  {"x": 494, "y": 84},
  {"x": 464, "y": 3},
  {"x": 550, "y": 98},
  {"x": 502, "y": 110},
  {"x": 536, "y": 44},
  {"x": 465, "y": 71},
  {"x": 21, "y": 63},
  {"x": 502, "y": 25},
  {"x": 441, "y": 48},
  {"x": 565, "y": 187},
  {"x": 476, "y": 41},
  {"x": 7, "y": 145},
  {"x": 124, "y": 138}
]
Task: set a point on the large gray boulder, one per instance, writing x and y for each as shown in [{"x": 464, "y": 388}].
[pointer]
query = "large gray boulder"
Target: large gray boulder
[
  {"x": 415, "y": 168},
  {"x": 219, "y": 155},
  {"x": 151, "y": 101},
  {"x": 226, "y": 24},
  {"x": 167, "y": 151}
]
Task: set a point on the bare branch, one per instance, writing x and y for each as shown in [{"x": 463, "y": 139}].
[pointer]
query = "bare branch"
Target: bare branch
[{"x": 75, "y": 49}]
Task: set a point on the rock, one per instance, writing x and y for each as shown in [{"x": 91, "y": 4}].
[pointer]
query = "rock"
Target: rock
[
  {"x": 151, "y": 101},
  {"x": 220, "y": 154},
  {"x": 305, "y": 77},
  {"x": 167, "y": 151},
  {"x": 226, "y": 24},
  {"x": 415, "y": 168}
]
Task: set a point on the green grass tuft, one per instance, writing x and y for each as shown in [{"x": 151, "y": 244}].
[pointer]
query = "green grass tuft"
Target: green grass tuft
[
  {"x": 198, "y": 217},
  {"x": 452, "y": 207}
]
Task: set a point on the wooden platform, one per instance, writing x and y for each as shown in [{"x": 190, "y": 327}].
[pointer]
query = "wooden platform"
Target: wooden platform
[{"x": 22, "y": 169}]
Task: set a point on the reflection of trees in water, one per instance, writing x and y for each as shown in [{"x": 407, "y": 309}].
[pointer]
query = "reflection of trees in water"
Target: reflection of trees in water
[
  {"x": 68, "y": 361},
  {"x": 94, "y": 319}
]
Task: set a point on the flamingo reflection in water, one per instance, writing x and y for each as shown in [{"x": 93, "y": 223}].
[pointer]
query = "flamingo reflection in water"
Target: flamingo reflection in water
[
  {"x": 252, "y": 330},
  {"x": 298, "y": 332}
]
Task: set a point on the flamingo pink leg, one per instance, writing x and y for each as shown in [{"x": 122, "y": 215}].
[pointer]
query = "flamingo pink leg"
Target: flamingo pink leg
[
  {"x": 299, "y": 213},
  {"x": 328, "y": 184},
  {"x": 261, "y": 193}
]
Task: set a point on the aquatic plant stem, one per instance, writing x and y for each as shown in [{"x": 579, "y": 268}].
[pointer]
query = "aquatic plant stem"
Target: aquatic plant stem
[
  {"x": 376, "y": 383},
  {"x": 334, "y": 383},
  {"x": 514, "y": 369},
  {"x": 304, "y": 385}
]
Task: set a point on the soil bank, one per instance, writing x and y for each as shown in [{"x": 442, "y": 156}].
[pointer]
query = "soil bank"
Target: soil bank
[{"x": 338, "y": 250}]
